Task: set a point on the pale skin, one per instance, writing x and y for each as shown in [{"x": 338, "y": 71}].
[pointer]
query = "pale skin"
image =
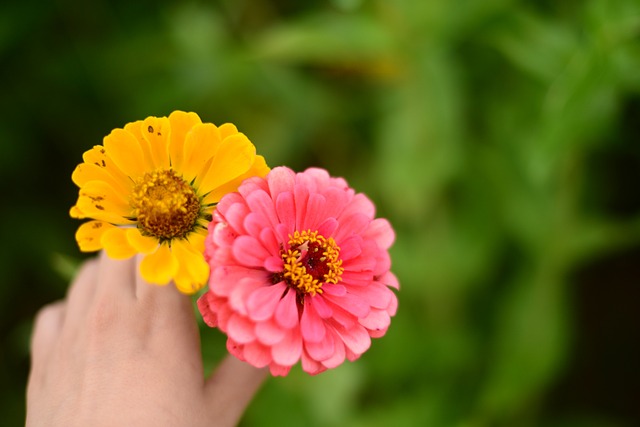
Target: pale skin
[{"x": 120, "y": 352}]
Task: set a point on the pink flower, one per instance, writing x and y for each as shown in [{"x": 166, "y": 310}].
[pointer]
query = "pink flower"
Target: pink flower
[{"x": 299, "y": 271}]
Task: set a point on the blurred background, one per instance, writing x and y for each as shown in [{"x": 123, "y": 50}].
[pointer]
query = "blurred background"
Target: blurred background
[{"x": 500, "y": 137}]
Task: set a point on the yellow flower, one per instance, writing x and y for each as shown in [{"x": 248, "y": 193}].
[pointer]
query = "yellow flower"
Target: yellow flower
[{"x": 151, "y": 189}]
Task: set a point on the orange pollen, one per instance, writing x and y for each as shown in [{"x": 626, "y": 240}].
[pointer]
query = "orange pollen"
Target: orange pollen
[
  {"x": 311, "y": 261},
  {"x": 165, "y": 205}
]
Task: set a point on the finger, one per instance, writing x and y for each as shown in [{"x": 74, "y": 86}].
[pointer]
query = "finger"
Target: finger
[
  {"x": 46, "y": 331},
  {"x": 116, "y": 277},
  {"x": 81, "y": 293},
  {"x": 231, "y": 388}
]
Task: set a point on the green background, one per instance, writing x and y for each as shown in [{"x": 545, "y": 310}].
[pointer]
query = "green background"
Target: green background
[{"x": 500, "y": 137}]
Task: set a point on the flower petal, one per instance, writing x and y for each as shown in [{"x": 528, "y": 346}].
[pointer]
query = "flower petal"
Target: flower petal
[
  {"x": 155, "y": 131},
  {"x": 193, "y": 270},
  {"x": 262, "y": 303},
  {"x": 89, "y": 234},
  {"x": 115, "y": 243},
  {"x": 181, "y": 123},
  {"x": 142, "y": 244},
  {"x": 288, "y": 351},
  {"x": 200, "y": 145},
  {"x": 287, "y": 311},
  {"x": 97, "y": 199},
  {"x": 160, "y": 266},
  {"x": 235, "y": 156},
  {"x": 125, "y": 151}
]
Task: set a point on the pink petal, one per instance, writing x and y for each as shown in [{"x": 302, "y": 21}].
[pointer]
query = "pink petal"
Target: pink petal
[
  {"x": 235, "y": 348},
  {"x": 393, "y": 306},
  {"x": 380, "y": 230},
  {"x": 287, "y": 352},
  {"x": 321, "y": 307},
  {"x": 321, "y": 350},
  {"x": 270, "y": 241},
  {"x": 359, "y": 204},
  {"x": 350, "y": 247},
  {"x": 337, "y": 358},
  {"x": 376, "y": 294},
  {"x": 316, "y": 212},
  {"x": 311, "y": 324},
  {"x": 351, "y": 303},
  {"x": 235, "y": 217},
  {"x": 328, "y": 227},
  {"x": 357, "y": 278},
  {"x": 286, "y": 208},
  {"x": 222, "y": 235},
  {"x": 279, "y": 371},
  {"x": 311, "y": 366},
  {"x": 240, "y": 329},
  {"x": 251, "y": 185},
  {"x": 249, "y": 251},
  {"x": 287, "y": 311},
  {"x": 262, "y": 303},
  {"x": 254, "y": 223},
  {"x": 269, "y": 332},
  {"x": 280, "y": 179},
  {"x": 274, "y": 264},
  {"x": 240, "y": 293},
  {"x": 349, "y": 225},
  {"x": 390, "y": 279},
  {"x": 208, "y": 314},
  {"x": 301, "y": 195},
  {"x": 335, "y": 290},
  {"x": 356, "y": 338},
  {"x": 337, "y": 199},
  {"x": 224, "y": 278},
  {"x": 377, "y": 320},
  {"x": 260, "y": 202},
  {"x": 227, "y": 201},
  {"x": 257, "y": 354}
]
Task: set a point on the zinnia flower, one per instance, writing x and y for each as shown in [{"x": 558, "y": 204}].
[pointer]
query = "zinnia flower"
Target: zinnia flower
[
  {"x": 151, "y": 188},
  {"x": 299, "y": 271}
]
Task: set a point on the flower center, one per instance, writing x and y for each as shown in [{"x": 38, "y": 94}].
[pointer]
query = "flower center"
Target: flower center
[
  {"x": 311, "y": 261},
  {"x": 165, "y": 206}
]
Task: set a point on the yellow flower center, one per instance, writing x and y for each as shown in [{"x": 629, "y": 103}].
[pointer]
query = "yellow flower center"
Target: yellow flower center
[
  {"x": 164, "y": 205},
  {"x": 311, "y": 261}
]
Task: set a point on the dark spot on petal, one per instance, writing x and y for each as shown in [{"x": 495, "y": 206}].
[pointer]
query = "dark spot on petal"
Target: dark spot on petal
[
  {"x": 101, "y": 208},
  {"x": 150, "y": 129}
]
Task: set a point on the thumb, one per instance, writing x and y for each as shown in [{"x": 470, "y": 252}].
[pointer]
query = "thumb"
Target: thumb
[{"x": 231, "y": 388}]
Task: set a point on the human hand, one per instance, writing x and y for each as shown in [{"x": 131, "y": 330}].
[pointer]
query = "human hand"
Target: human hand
[{"x": 120, "y": 352}]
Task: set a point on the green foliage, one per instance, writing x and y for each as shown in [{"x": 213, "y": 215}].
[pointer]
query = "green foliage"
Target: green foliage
[{"x": 486, "y": 131}]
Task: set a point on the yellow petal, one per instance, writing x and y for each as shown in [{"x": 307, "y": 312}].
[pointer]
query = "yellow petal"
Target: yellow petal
[
  {"x": 142, "y": 244},
  {"x": 99, "y": 200},
  {"x": 181, "y": 123},
  {"x": 86, "y": 172},
  {"x": 75, "y": 212},
  {"x": 259, "y": 168},
  {"x": 227, "y": 129},
  {"x": 200, "y": 145},
  {"x": 193, "y": 270},
  {"x": 98, "y": 156},
  {"x": 89, "y": 234},
  {"x": 125, "y": 151},
  {"x": 196, "y": 240},
  {"x": 156, "y": 130},
  {"x": 160, "y": 266},
  {"x": 135, "y": 128},
  {"x": 234, "y": 157},
  {"x": 115, "y": 243}
]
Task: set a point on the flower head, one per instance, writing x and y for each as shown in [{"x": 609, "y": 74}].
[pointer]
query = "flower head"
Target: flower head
[
  {"x": 299, "y": 271},
  {"x": 151, "y": 189}
]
